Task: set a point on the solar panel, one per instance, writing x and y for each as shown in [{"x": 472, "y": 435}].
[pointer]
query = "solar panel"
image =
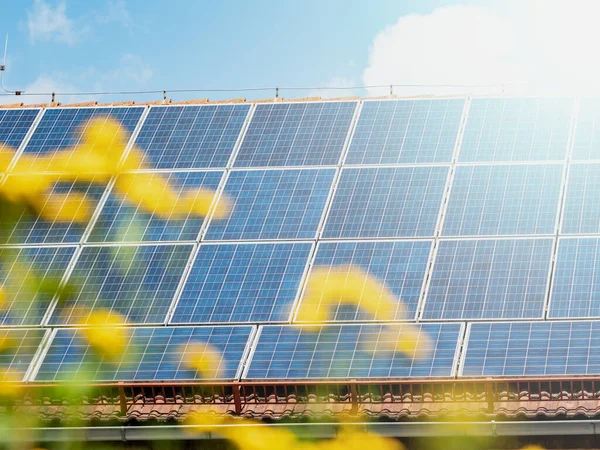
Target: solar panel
[
  {"x": 352, "y": 351},
  {"x": 30, "y": 277},
  {"x": 400, "y": 266},
  {"x": 525, "y": 349},
  {"x": 489, "y": 279},
  {"x": 61, "y": 127},
  {"x": 191, "y": 137},
  {"x": 502, "y": 200},
  {"x": 151, "y": 354},
  {"x": 15, "y": 124},
  {"x": 406, "y": 131},
  {"x": 19, "y": 347},
  {"x": 274, "y": 204},
  {"x": 516, "y": 129},
  {"x": 243, "y": 283},
  {"x": 576, "y": 282},
  {"x": 586, "y": 145},
  {"x": 386, "y": 202},
  {"x": 582, "y": 202},
  {"x": 27, "y": 227},
  {"x": 122, "y": 221},
  {"x": 296, "y": 134},
  {"x": 138, "y": 282}
]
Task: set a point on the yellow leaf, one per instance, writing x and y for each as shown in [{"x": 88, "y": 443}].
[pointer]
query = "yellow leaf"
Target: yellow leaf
[
  {"x": 56, "y": 207},
  {"x": 6, "y": 156},
  {"x": 408, "y": 340},
  {"x": 202, "y": 357},
  {"x": 23, "y": 188},
  {"x": 10, "y": 383},
  {"x": 329, "y": 287},
  {"x": 77, "y": 164},
  {"x": 199, "y": 202},
  {"x": 152, "y": 193},
  {"x": 105, "y": 334}
]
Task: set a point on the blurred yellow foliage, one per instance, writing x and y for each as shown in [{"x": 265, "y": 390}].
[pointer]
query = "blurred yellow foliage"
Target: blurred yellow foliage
[
  {"x": 105, "y": 333},
  {"x": 153, "y": 193},
  {"x": 99, "y": 157},
  {"x": 254, "y": 435},
  {"x": 202, "y": 357},
  {"x": 10, "y": 383},
  {"x": 532, "y": 447},
  {"x": 328, "y": 287}
]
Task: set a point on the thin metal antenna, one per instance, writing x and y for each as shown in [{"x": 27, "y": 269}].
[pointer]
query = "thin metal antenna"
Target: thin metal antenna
[{"x": 3, "y": 69}]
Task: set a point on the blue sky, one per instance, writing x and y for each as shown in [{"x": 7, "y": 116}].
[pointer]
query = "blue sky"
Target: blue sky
[{"x": 70, "y": 45}]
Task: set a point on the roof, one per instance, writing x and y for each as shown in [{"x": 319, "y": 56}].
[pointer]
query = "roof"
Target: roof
[{"x": 380, "y": 400}]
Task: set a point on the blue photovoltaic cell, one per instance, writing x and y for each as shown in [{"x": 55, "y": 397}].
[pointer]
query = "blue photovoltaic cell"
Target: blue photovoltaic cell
[
  {"x": 242, "y": 283},
  {"x": 352, "y": 351},
  {"x": 489, "y": 279},
  {"x": 400, "y": 266},
  {"x": 123, "y": 221},
  {"x": 151, "y": 354},
  {"x": 62, "y": 127},
  {"x": 406, "y": 131},
  {"x": 40, "y": 227},
  {"x": 14, "y": 125},
  {"x": 524, "y": 349},
  {"x": 386, "y": 202},
  {"x": 138, "y": 282},
  {"x": 501, "y": 200},
  {"x": 576, "y": 282},
  {"x": 586, "y": 139},
  {"x": 19, "y": 346},
  {"x": 273, "y": 204},
  {"x": 296, "y": 134},
  {"x": 30, "y": 277},
  {"x": 516, "y": 129},
  {"x": 582, "y": 200},
  {"x": 191, "y": 137}
]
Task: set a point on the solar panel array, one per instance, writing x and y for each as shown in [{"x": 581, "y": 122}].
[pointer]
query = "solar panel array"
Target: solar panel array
[{"x": 481, "y": 216}]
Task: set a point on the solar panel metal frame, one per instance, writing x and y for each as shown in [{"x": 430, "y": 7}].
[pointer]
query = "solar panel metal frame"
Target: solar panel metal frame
[
  {"x": 457, "y": 144},
  {"x": 27, "y": 137},
  {"x": 110, "y": 190},
  {"x": 345, "y": 145},
  {"x": 565, "y": 193},
  {"x": 573, "y": 119},
  {"x": 52, "y": 332},
  {"x": 236, "y": 146},
  {"x": 455, "y": 361},
  {"x": 38, "y": 351},
  {"x": 311, "y": 265},
  {"x": 559, "y": 239},
  {"x": 440, "y": 211},
  {"x": 420, "y": 318},
  {"x": 466, "y": 339},
  {"x": 133, "y": 135},
  {"x": 64, "y": 278},
  {"x": 559, "y": 206},
  {"x": 576, "y": 114},
  {"x": 86, "y": 229},
  {"x": 46, "y": 320},
  {"x": 293, "y": 305},
  {"x": 223, "y": 186}
]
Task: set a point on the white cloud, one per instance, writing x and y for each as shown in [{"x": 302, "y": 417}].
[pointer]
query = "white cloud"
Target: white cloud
[
  {"x": 539, "y": 47},
  {"x": 335, "y": 82},
  {"x": 116, "y": 11},
  {"x": 133, "y": 68},
  {"x": 42, "y": 87},
  {"x": 48, "y": 23}
]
